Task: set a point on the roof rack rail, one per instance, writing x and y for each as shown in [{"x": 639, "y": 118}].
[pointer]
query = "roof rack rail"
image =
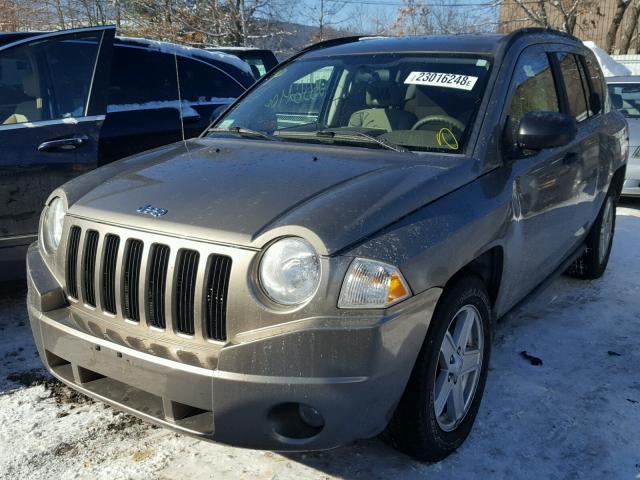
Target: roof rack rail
[
  {"x": 331, "y": 43},
  {"x": 529, "y": 30}
]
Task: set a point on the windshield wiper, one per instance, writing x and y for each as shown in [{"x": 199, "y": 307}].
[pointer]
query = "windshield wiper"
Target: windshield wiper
[
  {"x": 243, "y": 132},
  {"x": 380, "y": 141},
  {"x": 345, "y": 135}
]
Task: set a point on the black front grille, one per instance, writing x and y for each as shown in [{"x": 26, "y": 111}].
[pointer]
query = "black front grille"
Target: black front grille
[
  {"x": 137, "y": 288},
  {"x": 217, "y": 287},
  {"x": 157, "y": 281},
  {"x": 89, "y": 267},
  {"x": 109, "y": 259},
  {"x": 185, "y": 290},
  {"x": 73, "y": 246},
  {"x": 131, "y": 279}
]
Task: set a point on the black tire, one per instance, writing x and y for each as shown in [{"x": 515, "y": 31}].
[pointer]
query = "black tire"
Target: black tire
[
  {"x": 593, "y": 262},
  {"x": 415, "y": 428}
]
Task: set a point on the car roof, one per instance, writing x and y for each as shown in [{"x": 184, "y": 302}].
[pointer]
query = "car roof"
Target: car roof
[
  {"x": 482, "y": 44},
  {"x": 624, "y": 79}
]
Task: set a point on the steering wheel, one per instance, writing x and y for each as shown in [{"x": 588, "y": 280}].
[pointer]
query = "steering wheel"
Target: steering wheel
[{"x": 454, "y": 122}]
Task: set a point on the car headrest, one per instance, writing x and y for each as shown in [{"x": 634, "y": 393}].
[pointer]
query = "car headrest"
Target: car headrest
[
  {"x": 30, "y": 85},
  {"x": 616, "y": 101},
  {"x": 383, "y": 94}
]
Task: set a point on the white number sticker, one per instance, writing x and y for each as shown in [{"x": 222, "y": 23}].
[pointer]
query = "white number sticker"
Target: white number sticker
[{"x": 447, "y": 80}]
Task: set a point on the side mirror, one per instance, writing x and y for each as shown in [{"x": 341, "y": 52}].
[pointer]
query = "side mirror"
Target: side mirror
[{"x": 540, "y": 130}]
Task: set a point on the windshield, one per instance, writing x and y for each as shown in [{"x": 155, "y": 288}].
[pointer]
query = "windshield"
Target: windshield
[
  {"x": 410, "y": 101},
  {"x": 625, "y": 97}
]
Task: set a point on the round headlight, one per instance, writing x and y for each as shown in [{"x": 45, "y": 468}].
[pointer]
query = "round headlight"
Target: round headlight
[
  {"x": 290, "y": 271},
  {"x": 53, "y": 222}
]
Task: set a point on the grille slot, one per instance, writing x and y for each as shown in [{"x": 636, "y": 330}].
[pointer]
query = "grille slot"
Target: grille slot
[
  {"x": 89, "y": 267},
  {"x": 216, "y": 290},
  {"x": 185, "y": 290},
  {"x": 72, "y": 262},
  {"x": 110, "y": 257},
  {"x": 157, "y": 281},
  {"x": 131, "y": 279}
]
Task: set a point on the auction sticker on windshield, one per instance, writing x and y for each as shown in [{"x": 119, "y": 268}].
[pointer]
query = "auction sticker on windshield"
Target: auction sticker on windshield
[{"x": 447, "y": 80}]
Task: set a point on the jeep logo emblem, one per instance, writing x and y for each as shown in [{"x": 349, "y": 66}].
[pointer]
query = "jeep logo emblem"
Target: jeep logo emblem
[{"x": 153, "y": 211}]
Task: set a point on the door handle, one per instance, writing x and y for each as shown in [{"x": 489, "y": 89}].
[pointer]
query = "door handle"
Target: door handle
[
  {"x": 570, "y": 158},
  {"x": 63, "y": 144}
]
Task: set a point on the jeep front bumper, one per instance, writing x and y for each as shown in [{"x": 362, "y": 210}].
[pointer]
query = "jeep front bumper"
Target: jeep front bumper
[{"x": 237, "y": 402}]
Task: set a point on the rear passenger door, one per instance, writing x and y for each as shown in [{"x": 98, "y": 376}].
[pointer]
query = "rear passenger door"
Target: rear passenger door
[
  {"x": 52, "y": 105},
  {"x": 203, "y": 88},
  {"x": 582, "y": 106},
  {"x": 144, "y": 102}
]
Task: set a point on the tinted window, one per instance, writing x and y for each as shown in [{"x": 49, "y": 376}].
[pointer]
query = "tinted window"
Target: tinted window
[
  {"x": 596, "y": 81},
  {"x": 47, "y": 80},
  {"x": 626, "y": 98},
  {"x": 535, "y": 88},
  {"x": 574, "y": 86},
  {"x": 70, "y": 66},
  {"x": 202, "y": 83},
  {"x": 140, "y": 76}
]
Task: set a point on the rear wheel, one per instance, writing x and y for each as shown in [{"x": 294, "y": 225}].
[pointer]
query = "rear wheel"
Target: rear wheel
[
  {"x": 593, "y": 262},
  {"x": 441, "y": 401}
]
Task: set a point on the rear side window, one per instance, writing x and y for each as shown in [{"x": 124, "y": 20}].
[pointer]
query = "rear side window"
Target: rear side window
[
  {"x": 47, "y": 80},
  {"x": 574, "y": 85},
  {"x": 535, "y": 88},
  {"x": 203, "y": 83},
  {"x": 596, "y": 99},
  {"x": 142, "y": 78}
]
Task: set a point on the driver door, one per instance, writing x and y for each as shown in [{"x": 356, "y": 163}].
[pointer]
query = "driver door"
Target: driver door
[{"x": 52, "y": 105}]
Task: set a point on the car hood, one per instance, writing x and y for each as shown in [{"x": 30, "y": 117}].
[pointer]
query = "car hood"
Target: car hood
[{"x": 248, "y": 192}]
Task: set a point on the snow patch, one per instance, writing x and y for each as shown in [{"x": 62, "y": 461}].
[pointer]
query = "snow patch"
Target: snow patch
[
  {"x": 186, "y": 107},
  {"x": 609, "y": 66}
]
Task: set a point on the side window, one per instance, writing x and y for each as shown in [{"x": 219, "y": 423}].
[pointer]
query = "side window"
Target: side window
[
  {"x": 535, "y": 88},
  {"x": 47, "y": 80},
  {"x": 201, "y": 83},
  {"x": 573, "y": 82},
  {"x": 596, "y": 99},
  {"x": 141, "y": 78}
]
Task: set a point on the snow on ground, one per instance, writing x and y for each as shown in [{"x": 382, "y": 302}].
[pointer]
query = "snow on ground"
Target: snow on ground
[{"x": 576, "y": 416}]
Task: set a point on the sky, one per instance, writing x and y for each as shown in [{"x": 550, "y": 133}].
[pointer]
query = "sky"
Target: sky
[{"x": 349, "y": 15}]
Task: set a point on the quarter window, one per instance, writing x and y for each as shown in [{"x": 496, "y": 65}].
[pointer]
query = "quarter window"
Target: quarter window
[
  {"x": 573, "y": 82},
  {"x": 596, "y": 81},
  {"x": 535, "y": 88}
]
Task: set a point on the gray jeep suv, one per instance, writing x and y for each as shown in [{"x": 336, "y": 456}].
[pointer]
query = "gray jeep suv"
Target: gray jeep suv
[{"x": 329, "y": 259}]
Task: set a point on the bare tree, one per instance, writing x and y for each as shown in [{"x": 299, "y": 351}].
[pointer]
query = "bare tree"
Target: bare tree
[
  {"x": 621, "y": 8},
  {"x": 322, "y": 14},
  {"x": 630, "y": 25}
]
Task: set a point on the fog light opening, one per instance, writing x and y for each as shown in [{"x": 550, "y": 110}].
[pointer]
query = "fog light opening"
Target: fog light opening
[
  {"x": 310, "y": 416},
  {"x": 296, "y": 421}
]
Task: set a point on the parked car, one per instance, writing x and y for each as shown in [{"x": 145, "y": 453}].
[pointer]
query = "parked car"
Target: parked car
[
  {"x": 259, "y": 59},
  {"x": 58, "y": 119},
  {"x": 625, "y": 96},
  {"x": 297, "y": 287}
]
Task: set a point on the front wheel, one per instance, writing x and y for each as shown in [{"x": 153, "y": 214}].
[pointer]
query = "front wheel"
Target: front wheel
[
  {"x": 593, "y": 262},
  {"x": 441, "y": 401}
]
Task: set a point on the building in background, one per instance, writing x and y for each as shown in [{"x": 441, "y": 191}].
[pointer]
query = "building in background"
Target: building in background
[{"x": 586, "y": 19}]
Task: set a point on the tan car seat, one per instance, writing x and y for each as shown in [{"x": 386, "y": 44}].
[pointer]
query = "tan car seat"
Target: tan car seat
[
  {"x": 384, "y": 101},
  {"x": 30, "y": 110}
]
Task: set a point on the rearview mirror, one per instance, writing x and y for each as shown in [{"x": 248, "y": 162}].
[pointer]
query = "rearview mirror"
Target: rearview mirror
[{"x": 540, "y": 130}]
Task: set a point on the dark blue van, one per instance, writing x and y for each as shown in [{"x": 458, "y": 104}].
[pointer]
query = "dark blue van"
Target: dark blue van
[{"x": 73, "y": 100}]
